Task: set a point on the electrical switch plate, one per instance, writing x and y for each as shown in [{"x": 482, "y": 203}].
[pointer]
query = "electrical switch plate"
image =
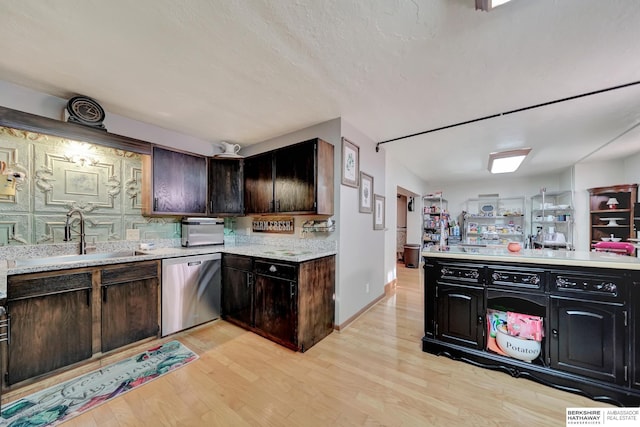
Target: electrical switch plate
[{"x": 133, "y": 234}]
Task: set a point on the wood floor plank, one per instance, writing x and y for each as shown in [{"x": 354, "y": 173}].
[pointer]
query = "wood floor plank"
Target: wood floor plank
[{"x": 371, "y": 373}]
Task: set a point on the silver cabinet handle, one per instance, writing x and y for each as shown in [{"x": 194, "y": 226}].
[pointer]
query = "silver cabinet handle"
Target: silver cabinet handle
[{"x": 273, "y": 269}]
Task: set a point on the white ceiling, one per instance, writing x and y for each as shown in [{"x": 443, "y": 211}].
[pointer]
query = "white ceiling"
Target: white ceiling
[{"x": 248, "y": 70}]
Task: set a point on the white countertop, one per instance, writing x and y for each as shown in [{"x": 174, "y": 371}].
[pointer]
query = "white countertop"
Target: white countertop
[
  {"x": 538, "y": 256},
  {"x": 261, "y": 251}
]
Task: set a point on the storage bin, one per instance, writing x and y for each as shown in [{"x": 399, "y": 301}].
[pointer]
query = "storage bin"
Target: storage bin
[{"x": 412, "y": 256}]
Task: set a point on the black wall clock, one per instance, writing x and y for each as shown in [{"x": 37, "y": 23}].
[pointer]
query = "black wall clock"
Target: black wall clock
[{"x": 85, "y": 111}]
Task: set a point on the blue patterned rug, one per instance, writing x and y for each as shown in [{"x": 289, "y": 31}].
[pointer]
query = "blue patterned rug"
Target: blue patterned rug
[{"x": 61, "y": 402}]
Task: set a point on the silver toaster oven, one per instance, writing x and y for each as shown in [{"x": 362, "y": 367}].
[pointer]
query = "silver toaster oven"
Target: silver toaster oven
[{"x": 202, "y": 231}]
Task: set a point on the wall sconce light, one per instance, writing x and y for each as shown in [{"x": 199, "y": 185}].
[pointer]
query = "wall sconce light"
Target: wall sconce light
[
  {"x": 487, "y": 5},
  {"x": 507, "y": 161},
  {"x": 612, "y": 203},
  {"x": 81, "y": 154}
]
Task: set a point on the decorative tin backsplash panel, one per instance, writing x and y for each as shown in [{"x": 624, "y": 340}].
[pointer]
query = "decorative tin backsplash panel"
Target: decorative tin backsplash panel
[
  {"x": 16, "y": 156},
  {"x": 61, "y": 174}
]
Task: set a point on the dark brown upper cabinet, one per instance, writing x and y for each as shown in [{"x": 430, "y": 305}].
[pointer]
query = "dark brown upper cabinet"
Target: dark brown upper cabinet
[
  {"x": 226, "y": 189},
  {"x": 175, "y": 183},
  {"x": 297, "y": 179}
]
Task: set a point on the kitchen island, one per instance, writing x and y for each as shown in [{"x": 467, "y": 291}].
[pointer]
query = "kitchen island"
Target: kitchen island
[{"x": 570, "y": 320}]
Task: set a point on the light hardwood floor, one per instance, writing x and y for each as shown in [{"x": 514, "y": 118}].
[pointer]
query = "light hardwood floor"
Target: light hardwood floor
[{"x": 371, "y": 373}]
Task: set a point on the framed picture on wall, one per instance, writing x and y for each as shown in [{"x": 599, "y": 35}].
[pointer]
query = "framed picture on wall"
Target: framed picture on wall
[
  {"x": 366, "y": 193},
  {"x": 350, "y": 163},
  {"x": 378, "y": 212}
]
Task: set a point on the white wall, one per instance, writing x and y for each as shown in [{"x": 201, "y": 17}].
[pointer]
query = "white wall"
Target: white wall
[
  {"x": 41, "y": 104},
  {"x": 362, "y": 249},
  {"x": 632, "y": 169},
  {"x": 399, "y": 176}
]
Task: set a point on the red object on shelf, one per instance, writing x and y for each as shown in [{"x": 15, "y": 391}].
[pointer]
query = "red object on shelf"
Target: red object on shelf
[{"x": 617, "y": 247}]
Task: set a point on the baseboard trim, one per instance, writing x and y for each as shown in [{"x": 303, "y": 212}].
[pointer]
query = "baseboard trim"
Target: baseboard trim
[{"x": 388, "y": 288}]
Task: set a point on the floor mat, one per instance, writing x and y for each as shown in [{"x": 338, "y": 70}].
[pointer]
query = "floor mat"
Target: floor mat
[{"x": 63, "y": 401}]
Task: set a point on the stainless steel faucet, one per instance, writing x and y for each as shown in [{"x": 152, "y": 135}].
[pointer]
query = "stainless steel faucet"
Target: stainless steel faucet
[{"x": 67, "y": 230}]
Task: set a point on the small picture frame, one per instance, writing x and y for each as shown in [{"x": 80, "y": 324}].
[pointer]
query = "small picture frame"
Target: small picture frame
[
  {"x": 378, "y": 212},
  {"x": 366, "y": 193},
  {"x": 350, "y": 163}
]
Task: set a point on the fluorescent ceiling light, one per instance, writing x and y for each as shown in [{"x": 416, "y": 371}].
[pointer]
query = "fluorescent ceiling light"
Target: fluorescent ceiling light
[
  {"x": 487, "y": 5},
  {"x": 507, "y": 161}
]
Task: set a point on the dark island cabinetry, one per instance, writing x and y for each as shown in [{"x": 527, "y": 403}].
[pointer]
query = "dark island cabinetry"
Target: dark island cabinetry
[
  {"x": 634, "y": 320},
  {"x": 588, "y": 326},
  {"x": 587, "y": 318},
  {"x": 459, "y": 305},
  {"x": 287, "y": 302}
]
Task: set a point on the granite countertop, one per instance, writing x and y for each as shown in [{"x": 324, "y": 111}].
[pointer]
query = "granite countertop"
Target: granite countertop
[
  {"x": 537, "y": 256},
  {"x": 8, "y": 267}
]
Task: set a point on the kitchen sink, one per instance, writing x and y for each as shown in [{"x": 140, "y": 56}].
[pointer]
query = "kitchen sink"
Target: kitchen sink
[{"x": 64, "y": 259}]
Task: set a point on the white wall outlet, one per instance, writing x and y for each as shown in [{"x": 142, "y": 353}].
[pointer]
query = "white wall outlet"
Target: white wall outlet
[
  {"x": 132, "y": 234},
  {"x": 366, "y": 287}
]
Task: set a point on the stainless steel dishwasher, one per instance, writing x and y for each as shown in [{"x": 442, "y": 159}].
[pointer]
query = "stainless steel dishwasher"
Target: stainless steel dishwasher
[{"x": 190, "y": 291}]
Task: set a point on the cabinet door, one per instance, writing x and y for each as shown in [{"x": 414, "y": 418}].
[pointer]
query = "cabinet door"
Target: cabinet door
[
  {"x": 258, "y": 184},
  {"x": 587, "y": 338},
  {"x": 48, "y": 331},
  {"x": 237, "y": 296},
  {"x": 635, "y": 337},
  {"x": 275, "y": 308},
  {"x": 129, "y": 304},
  {"x": 295, "y": 178},
  {"x": 179, "y": 182},
  {"x": 226, "y": 187},
  {"x": 460, "y": 318}
]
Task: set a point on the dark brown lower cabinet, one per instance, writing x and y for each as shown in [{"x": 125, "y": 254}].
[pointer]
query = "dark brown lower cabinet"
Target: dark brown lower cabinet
[
  {"x": 129, "y": 304},
  {"x": 289, "y": 303},
  {"x": 50, "y": 322},
  {"x": 276, "y": 298},
  {"x": 237, "y": 290},
  {"x": 59, "y": 318}
]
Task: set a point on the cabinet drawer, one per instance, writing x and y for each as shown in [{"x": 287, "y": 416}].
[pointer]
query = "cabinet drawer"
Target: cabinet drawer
[
  {"x": 238, "y": 262},
  {"x": 274, "y": 269},
  {"x": 19, "y": 287},
  {"x": 129, "y": 272},
  {"x": 605, "y": 288},
  {"x": 461, "y": 273},
  {"x": 516, "y": 278}
]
